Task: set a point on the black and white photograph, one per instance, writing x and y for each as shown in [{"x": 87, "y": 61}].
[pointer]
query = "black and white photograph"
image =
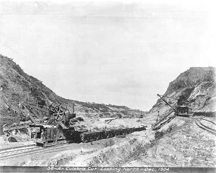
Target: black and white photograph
[{"x": 107, "y": 86}]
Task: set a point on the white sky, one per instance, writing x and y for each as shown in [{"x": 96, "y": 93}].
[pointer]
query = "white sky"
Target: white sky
[{"x": 117, "y": 52}]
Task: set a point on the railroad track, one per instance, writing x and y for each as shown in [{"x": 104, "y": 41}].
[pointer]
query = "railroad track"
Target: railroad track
[
  {"x": 204, "y": 127},
  {"x": 208, "y": 121},
  {"x": 27, "y": 150},
  {"x": 15, "y": 148},
  {"x": 8, "y": 152}
]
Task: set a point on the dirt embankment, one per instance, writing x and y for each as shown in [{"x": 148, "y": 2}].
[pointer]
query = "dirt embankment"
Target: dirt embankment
[{"x": 179, "y": 143}]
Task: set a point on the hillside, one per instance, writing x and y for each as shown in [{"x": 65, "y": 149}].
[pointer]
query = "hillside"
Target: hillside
[
  {"x": 179, "y": 142},
  {"x": 18, "y": 87},
  {"x": 198, "y": 86}
]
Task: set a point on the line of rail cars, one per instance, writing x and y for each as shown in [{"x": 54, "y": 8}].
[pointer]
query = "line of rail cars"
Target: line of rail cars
[
  {"x": 61, "y": 128},
  {"x": 48, "y": 135},
  {"x": 59, "y": 125}
]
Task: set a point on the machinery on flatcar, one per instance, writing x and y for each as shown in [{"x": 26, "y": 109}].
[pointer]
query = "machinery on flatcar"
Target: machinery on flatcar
[
  {"x": 62, "y": 127},
  {"x": 182, "y": 108}
]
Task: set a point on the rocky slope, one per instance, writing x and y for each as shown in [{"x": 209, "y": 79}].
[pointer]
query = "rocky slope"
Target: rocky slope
[
  {"x": 18, "y": 87},
  {"x": 180, "y": 143},
  {"x": 197, "y": 84}
]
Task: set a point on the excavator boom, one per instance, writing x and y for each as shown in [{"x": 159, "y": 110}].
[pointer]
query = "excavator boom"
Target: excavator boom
[{"x": 174, "y": 109}]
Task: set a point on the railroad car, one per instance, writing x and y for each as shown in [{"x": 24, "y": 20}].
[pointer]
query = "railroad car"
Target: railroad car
[{"x": 48, "y": 135}]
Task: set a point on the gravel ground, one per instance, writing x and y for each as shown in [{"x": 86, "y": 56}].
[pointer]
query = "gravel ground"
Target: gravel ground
[
  {"x": 183, "y": 145},
  {"x": 188, "y": 146}
]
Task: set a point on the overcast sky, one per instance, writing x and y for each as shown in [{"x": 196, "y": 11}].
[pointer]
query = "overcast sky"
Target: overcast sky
[{"x": 117, "y": 52}]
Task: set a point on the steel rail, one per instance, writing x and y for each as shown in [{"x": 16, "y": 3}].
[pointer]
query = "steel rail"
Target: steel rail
[
  {"x": 17, "y": 151},
  {"x": 17, "y": 147},
  {"x": 204, "y": 127},
  {"x": 209, "y": 121},
  {"x": 33, "y": 150}
]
